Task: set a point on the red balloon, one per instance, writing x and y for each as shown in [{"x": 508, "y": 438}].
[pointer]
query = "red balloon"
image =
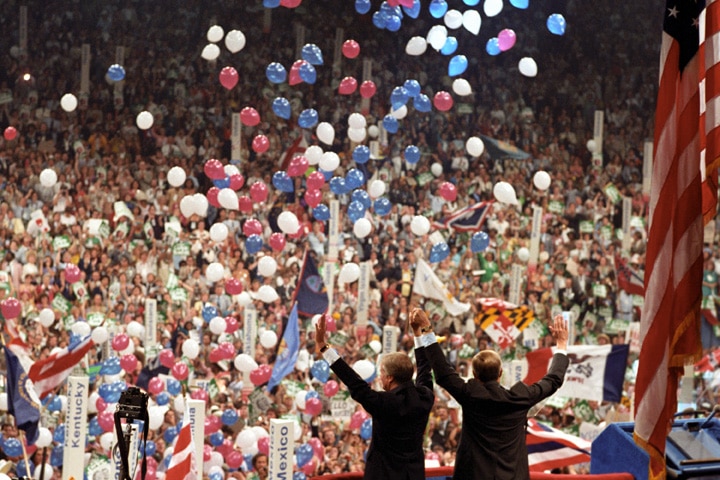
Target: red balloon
[
  {"x": 357, "y": 419},
  {"x": 156, "y": 385},
  {"x": 233, "y": 459},
  {"x": 313, "y": 198},
  {"x": 11, "y": 308},
  {"x": 72, "y": 273},
  {"x": 10, "y": 133},
  {"x": 120, "y": 342},
  {"x": 330, "y": 324},
  {"x": 258, "y": 192},
  {"x": 199, "y": 394},
  {"x": 347, "y": 86},
  {"x": 106, "y": 420},
  {"x": 277, "y": 241},
  {"x": 295, "y": 72},
  {"x": 212, "y": 196},
  {"x": 228, "y": 77},
  {"x": 264, "y": 445},
  {"x": 233, "y": 286},
  {"x": 448, "y": 191},
  {"x": 252, "y": 226},
  {"x": 260, "y": 375},
  {"x": 330, "y": 388},
  {"x": 227, "y": 350},
  {"x": 310, "y": 467},
  {"x": 249, "y": 116},
  {"x": 237, "y": 181},
  {"x": 180, "y": 371},
  {"x": 367, "y": 89},
  {"x": 128, "y": 362},
  {"x": 317, "y": 446},
  {"x": 290, "y": 3},
  {"x": 260, "y": 144},
  {"x": 167, "y": 358},
  {"x": 443, "y": 101},
  {"x": 313, "y": 406},
  {"x": 212, "y": 424},
  {"x": 298, "y": 166},
  {"x": 245, "y": 204},
  {"x": 315, "y": 181},
  {"x": 101, "y": 404},
  {"x": 231, "y": 325},
  {"x": 215, "y": 355},
  {"x": 350, "y": 48},
  {"x": 214, "y": 169},
  {"x": 226, "y": 447},
  {"x": 207, "y": 453}
]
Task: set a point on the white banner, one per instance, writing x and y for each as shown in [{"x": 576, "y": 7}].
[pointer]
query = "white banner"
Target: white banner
[
  {"x": 363, "y": 304},
  {"x": 150, "y": 324},
  {"x": 516, "y": 276},
  {"x": 390, "y": 338},
  {"x": 235, "y": 138},
  {"x": 329, "y": 281},
  {"x": 75, "y": 427},
  {"x": 196, "y": 409},
  {"x": 250, "y": 330},
  {"x": 334, "y": 231},
  {"x": 299, "y": 39},
  {"x": 366, "y": 75},
  {"x": 535, "y": 235},
  {"x": 597, "y": 157},
  {"x": 282, "y": 447},
  {"x": 85, "y": 57}
]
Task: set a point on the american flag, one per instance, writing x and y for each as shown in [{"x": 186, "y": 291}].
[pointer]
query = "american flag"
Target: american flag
[
  {"x": 709, "y": 109},
  {"x": 49, "y": 373},
  {"x": 670, "y": 322},
  {"x": 550, "y": 448}
]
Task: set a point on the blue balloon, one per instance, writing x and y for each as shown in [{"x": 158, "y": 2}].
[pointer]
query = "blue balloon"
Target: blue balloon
[
  {"x": 282, "y": 181},
  {"x": 472, "y": 3},
  {"x": 412, "y": 154},
  {"x": 337, "y": 186},
  {"x": 366, "y": 429},
  {"x": 414, "y": 11},
  {"x": 299, "y": 476},
  {"x": 173, "y": 386},
  {"x": 479, "y": 242},
  {"x": 271, "y": 3},
  {"x": 457, "y": 66},
  {"x": 390, "y": 124},
  {"x": 438, "y": 8},
  {"x": 355, "y": 211},
  {"x": 312, "y": 54},
  {"x": 253, "y": 244},
  {"x": 304, "y": 454},
  {"x": 523, "y": 4},
  {"x": 354, "y": 178},
  {"x": 150, "y": 448},
  {"x": 222, "y": 182},
  {"x": 361, "y": 154},
  {"x": 450, "y": 46},
  {"x": 320, "y": 370},
  {"x": 229, "y": 417},
  {"x": 327, "y": 174},
  {"x": 393, "y": 23},
  {"x": 388, "y": 10},
  {"x": 281, "y": 107},
  {"x": 108, "y": 393},
  {"x": 422, "y": 103},
  {"x": 362, "y": 6},
  {"x": 217, "y": 438},
  {"x": 312, "y": 393},
  {"x": 412, "y": 87},
  {"x": 379, "y": 19},
  {"x": 209, "y": 312},
  {"x": 116, "y": 73},
  {"x": 59, "y": 434},
  {"x": 94, "y": 428},
  {"x": 321, "y": 213},
  {"x": 307, "y": 73},
  {"x": 170, "y": 434},
  {"x": 12, "y": 448},
  {"x": 55, "y": 404},
  {"x": 276, "y": 73},
  {"x": 398, "y": 97},
  {"x": 363, "y": 197},
  {"x": 308, "y": 118},
  {"x": 162, "y": 398},
  {"x": 56, "y": 457},
  {"x": 111, "y": 366},
  {"x": 439, "y": 252},
  {"x": 22, "y": 469},
  {"x": 248, "y": 460},
  {"x": 556, "y": 24},
  {"x": 493, "y": 46},
  {"x": 382, "y": 206},
  {"x": 215, "y": 475}
]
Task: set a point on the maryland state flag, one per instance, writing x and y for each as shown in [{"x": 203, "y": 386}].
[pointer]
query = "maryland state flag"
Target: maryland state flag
[{"x": 503, "y": 321}]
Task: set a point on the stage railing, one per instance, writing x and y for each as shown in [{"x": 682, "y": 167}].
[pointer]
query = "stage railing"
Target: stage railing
[{"x": 442, "y": 473}]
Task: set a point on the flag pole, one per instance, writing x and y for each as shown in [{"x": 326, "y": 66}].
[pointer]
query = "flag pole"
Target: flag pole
[{"x": 21, "y": 434}]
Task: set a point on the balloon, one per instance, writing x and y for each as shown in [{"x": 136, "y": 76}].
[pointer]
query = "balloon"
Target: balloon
[
  {"x": 492, "y": 46},
  {"x": 325, "y": 133},
  {"x": 492, "y": 7},
  {"x": 450, "y": 46},
  {"x": 46, "y": 317},
  {"x": 267, "y": 266},
  {"x": 443, "y": 101},
  {"x": 228, "y": 77},
  {"x": 245, "y": 363},
  {"x": 215, "y": 33},
  {"x": 416, "y": 46},
  {"x": 253, "y": 244},
  {"x": 235, "y": 41},
  {"x": 439, "y": 252},
  {"x": 362, "y": 6},
  {"x": 167, "y": 357},
  {"x": 367, "y": 89},
  {"x": 591, "y": 145},
  {"x": 461, "y": 87},
  {"x": 260, "y": 144},
  {"x": 277, "y": 241},
  {"x": 128, "y": 362},
  {"x": 281, "y": 107},
  {"x": 261, "y": 375},
  {"x": 556, "y": 24},
  {"x": 330, "y": 388},
  {"x": 120, "y": 342},
  {"x": 217, "y": 325},
  {"x": 11, "y": 307},
  {"x": 210, "y": 52},
  {"x": 349, "y": 272},
  {"x": 156, "y": 385},
  {"x": 505, "y": 193},
  {"x": 231, "y": 324},
  {"x": 523, "y": 254},
  {"x": 236, "y": 181},
  {"x": 358, "y": 135},
  {"x": 190, "y": 349},
  {"x": 298, "y": 166},
  {"x": 541, "y": 180},
  {"x": 361, "y": 154},
  {"x": 106, "y": 421},
  {"x": 355, "y": 211},
  {"x": 68, "y": 102},
  {"x": 321, "y": 213},
  {"x": 218, "y": 232},
  {"x": 308, "y": 73},
  {"x": 474, "y": 146},
  {"x": 347, "y": 86},
  {"x": 528, "y": 67},
  {"x": 48, "y": 177},
  {"x": 366, "y": 429},
  {"x": 350, "y": 48},
  {"x": 288, "y": 222},
  {"x": 295, "y": 72},
  {"x": 308, "y": 118},
  {"x": 329, "y": 161},
  {"x": 321, "y": 370},
  {"x": 354, "y": 178},
  {"x": 420, "y": 225},
  {"x": 448, "y": 191},
  {"x": 252, "y": 226},
  {"x": 437, "y": 36},
  {"x": 376, "y": 188},
  {"x": 366, "y": 370},
  {"x": 457, "y": 66},
  {"x": 479, "y": 242},
  {"x": 453, "y": 19},
  {"x": 276, "y": 73},
  {"x": 176, "y": 176},
  {"x": 267, "y": 294},
  {"x": 214, "y": 170},
  {"x": 412, "y": 154},
  {"x": 390, "y": 124},
  {"x": 438, "y": 8},
  {"x": 282, "y": 181},
  {"x": 522, "y": 4},
  {"x": 471, "y": 21},
  {"x": 249, "y": 116},
  {"x": 263, "y": 445},
  {"x": 382, "y": 206},
  {"x": 258, "y": 192},
  {"x": 312, "y": 54},
  {"x": 116, "y": 72},
  {"x": 506, "y": 39},
  {"x": 398, "y": 97},
  {"x": 180, "y": 370}
]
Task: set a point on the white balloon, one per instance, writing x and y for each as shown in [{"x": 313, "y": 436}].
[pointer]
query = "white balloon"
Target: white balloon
[
  {"x": 46, "y": 317},
  {"x": 362, "y": 228},
  {"x": 325, "y": 133},
  {"x": 215, "y": 33},
  {"x": 179, "y": 403},
  {"x": 197, "y": 322},
  {"x": 329, "y": 161},
  {"x": 216, "y": 460},
  {"x": 357, "y": 135},
  {"x": 44, "y": 438},
  {"x": 144, "y": 120},
  {"x": 246, "y": 439},
  {"x": 48, "y": 177},
  {"x": 505, "y": 193},
  {"x": 106, "y": 440},
  {"x": 541, "y": 180},
  {"x": 245, "y": 363},
  {"x": 416, "y": 46},
  {"x": 436, "y": 169},
  {"x": 235, "y": 41},
  {"x": 156, "y": 419},
  {"x": 349, "y": 272},
  {"x": 471, "y": 21},
  {"x": 210, "y": 52},
  {"x": 217, "y": 325},
  {"x": 3, "y": 402},
  {"x": 47, "y": 472},
  {"x": 267, "y": 266},
  {"x": 200, "y": 204},
  {"x": 68, "y": 102},
  {"x": 313, "y": 154},
  {"x": 187, "y": 208},
  {"x": 364, "y": 368},
  {"x": 300, "y": 398},
  {"x": 591, "y": 145},
  {"x": 191, "y": 348},
  {"x": 227, "y": 198},
  {"x": 357, "y": 120},
  {"x": 523, "y": 254},
  {"x": 244, "y": 299},
  {"x": 267, "y": 294},
  {"x": 288, "y": 222},
  {"x": 99, "y": 335},
  {"x": 268, "y": 339},
  {"x": 400, "y": 113},
  {"x": 81, "y": 329},
  {"x": 461, "y": 87},
  {"x": 492, "y": 7},
  {"x": 215, "y": 271},
  {"x": 135, "y": 329},
  {"x": 543, "y": 257},
  {"x": 420, "y": 225},
  {"x": 176, "y": 176},
  {"x": 453, "y": 19},
  {"x": 260, "y": 432},
  {"x": 475, "y": 146},
  {"x": 373, "y": 131},
  {"x": 92, "y": 402},
  {"x": 218, "y": 232},
  {"x": 376, "y": 188},
  {"x": 437, "y": 36},
  {"x": 230, "y": 170},
  {"x": 376, "y": 346},
  {"x": 528, "y": 67}
]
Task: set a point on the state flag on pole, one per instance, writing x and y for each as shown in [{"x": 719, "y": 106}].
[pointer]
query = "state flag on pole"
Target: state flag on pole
[
  {"x": 183, "y": 465},
  {"x": 23, "y": 403},
  {"x": 428, "y": 285}
]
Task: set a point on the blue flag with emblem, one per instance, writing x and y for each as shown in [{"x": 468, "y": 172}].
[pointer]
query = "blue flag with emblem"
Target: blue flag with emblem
[
  {"x": 23, "y": 403},
  {"x": 310, "y": 294},
  {"x": 288, "y": 350}
]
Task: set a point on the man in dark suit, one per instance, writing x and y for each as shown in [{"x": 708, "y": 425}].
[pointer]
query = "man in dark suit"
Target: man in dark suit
[
  {"x": 492, "y": 443},
  {"x": 400, "y": 413}
]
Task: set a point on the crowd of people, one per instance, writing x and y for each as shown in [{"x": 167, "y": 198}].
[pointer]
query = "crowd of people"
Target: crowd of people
[{"x": 151, "y": 250}]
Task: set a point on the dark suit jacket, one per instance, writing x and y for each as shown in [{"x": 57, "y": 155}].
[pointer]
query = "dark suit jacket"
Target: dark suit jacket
[
  {"x": 492, "y": 443},
  {"x": 399, "y": 420}
]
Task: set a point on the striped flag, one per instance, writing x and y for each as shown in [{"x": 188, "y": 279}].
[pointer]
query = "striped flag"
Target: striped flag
[
  {"x": 49, "y": 373},
  {"x": 468, "y": 219},
  {"x": 183, "y": 465},
  {"x": 709, "y": 56},
  {"x": 550, "y": 448},
  {"x": 627, "y": 278},
  {"x": 670, "y": 321},
  {"x": 503, "y": 321}
]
